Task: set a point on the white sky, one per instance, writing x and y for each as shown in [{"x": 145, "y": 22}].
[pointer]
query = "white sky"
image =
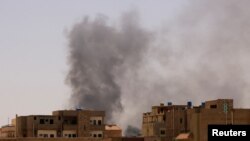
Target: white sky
[{"x": 33, "y": 47}]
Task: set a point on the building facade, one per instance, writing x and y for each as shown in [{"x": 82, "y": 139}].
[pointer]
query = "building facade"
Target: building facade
[
  {"x": 112, "y": 131},
  {"x": 187, "y": 122},
  {"x": 7, "y": 131},
  {"x": 164, "y": 121},
  {"x": 64, "y": 123}
]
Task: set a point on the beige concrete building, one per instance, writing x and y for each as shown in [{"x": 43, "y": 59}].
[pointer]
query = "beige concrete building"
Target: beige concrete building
[
  {"x": 7, "y": 131},
  {"x": 164, "y": 121},
  {"x": 112, "y": 131},
  {"x": 64, "y": 123},
  {"x": 219, "y": 111},
  {"x": 185, "y": 122}
]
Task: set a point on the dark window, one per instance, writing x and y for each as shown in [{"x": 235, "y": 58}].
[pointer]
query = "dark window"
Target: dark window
[
  {"x": 213, "y": 106},
  {"x": 180, "y": 120},
  {"x": 42, "y": 121},
  {"x": 163, "y": 132},
  {"x": 34, "y": 118},
  {"x": 73, "y": 122},
  {"x": 99, "y": 122},
  {"x": 59, "y": 118},
  {"x": 74, "y": 135},
  {"x": 51, "y": 121},
  {"x": 164, "y": 118},
  {"x": 94, "y": 135},
  {"x": 47, "y": 120},
  {"x": 70, "y": 135},
  {"x": 52, "y": 135},
  {"x": 94, "y": 122},
  {"x": 99, "y": 135}
]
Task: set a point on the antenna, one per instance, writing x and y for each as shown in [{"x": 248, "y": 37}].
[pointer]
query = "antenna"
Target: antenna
[{"x": 8, "y": 121}]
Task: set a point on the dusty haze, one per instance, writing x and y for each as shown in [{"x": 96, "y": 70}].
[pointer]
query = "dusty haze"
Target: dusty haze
[{"x": 200, "y": 55}]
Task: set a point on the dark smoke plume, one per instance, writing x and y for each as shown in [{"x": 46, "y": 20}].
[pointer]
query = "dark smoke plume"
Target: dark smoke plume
[
  {"x": 201, "y": 54},
  {"x": 98, "y": 54}
]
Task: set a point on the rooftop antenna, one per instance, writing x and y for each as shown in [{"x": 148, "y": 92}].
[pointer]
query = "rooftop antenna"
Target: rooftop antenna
[{"x": 8, "y": 121}]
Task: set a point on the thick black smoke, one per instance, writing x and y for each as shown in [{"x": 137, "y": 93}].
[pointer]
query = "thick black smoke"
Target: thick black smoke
[
  {"x": 202, "y": 54},
  {"x": 98, "y": 54}
]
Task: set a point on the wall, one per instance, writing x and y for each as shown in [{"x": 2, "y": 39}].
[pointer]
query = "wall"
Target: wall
[{"x": 55, "y": 139}]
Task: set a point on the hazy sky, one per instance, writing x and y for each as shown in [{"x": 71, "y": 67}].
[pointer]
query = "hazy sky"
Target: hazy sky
[{"x": 33, "y": 47}]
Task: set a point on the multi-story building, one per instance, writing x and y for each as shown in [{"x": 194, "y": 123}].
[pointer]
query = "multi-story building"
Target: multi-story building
[
  {"x": 64, "y": 123},
  {"x": 164, "y": 121},
  {"x": 219, "y": 111},
  {"x": 185, "y": 122},
  {"x": 7, "y": 131}
]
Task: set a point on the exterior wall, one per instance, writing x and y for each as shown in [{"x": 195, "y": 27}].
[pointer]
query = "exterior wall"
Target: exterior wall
[
  {"x": 175, "y": 122},
  {"x": 66, "y": 123},
  {"x": 199, "y": 118},
  {"x": 47, "y": 133},
  {"x": 165, "y": 122},
  {"x": 112, "y": 133},
  {"x": 86, "y": 122},
  {"x": 180, "y": 119},
  {"x": 56, "y": 139},
  {"x": 7, "y": 131},
  {"x": 28, "y": 126},
  {"x": 69, "y": 133}
]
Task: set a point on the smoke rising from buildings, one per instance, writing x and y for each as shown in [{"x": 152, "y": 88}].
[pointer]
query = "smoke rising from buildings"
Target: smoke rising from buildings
[
  {"x": 201, "y": 54},
  {"x": 98, "y": 54}
]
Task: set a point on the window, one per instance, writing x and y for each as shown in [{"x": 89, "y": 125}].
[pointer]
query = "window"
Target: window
[
  {"x": 94, "y": 122},
  {"x": 180, "y": 120},
  {"x": 99, "y": 135},
  {"x": 59, "y": 118},
  {"x": 34, "y": 118},
  {"x": 73, "y": 135},
  {"x": 213, "y": 106},
  {"x": 51, "y": 121},
  {"x": 69, "y": 135},
  {"x": 73, "y": 122},
  {"x": 94, "y": 135},
  {"x": 42, "y": 121},
  {"x": 52, "y": 135},
  {"x": 99, "y": 122},
  {"x": 162, "y": 132}
]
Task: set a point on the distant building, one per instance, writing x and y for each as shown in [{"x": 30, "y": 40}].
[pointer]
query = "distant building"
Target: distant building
[
  {"x": 112, "y": 131},
  {"x": 185, "y": 122},
  {"x": 7, "y": 131},
  {"x": 65, "y": 123},
  {"x": 164, "y": 121}
]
